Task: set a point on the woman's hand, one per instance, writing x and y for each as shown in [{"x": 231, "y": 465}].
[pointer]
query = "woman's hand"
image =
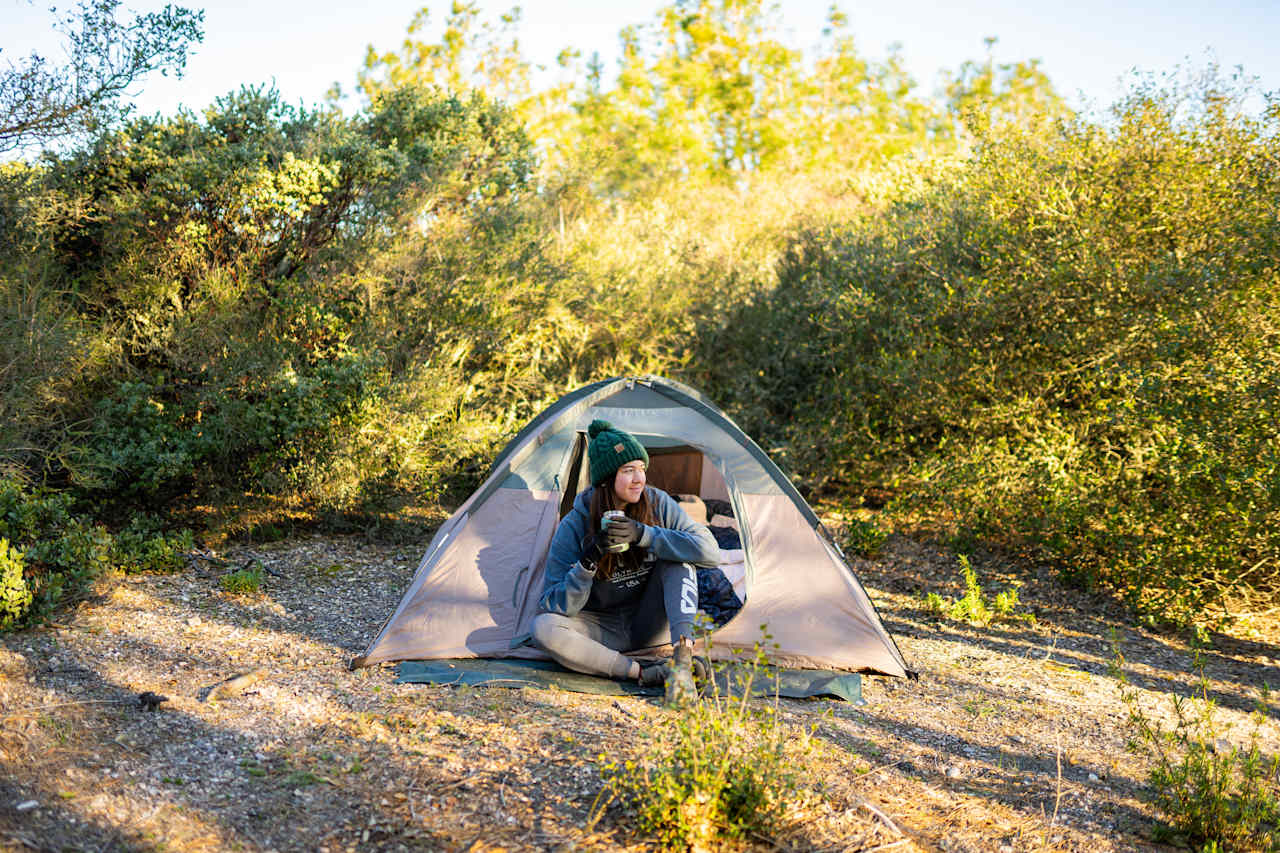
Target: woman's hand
[
  {"x": 622, "y": 530},
  {"x": 592, "y": 553}
]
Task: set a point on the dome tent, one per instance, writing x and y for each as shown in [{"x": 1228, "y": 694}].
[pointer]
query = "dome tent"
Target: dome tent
[{"x": 476, "y": 591}]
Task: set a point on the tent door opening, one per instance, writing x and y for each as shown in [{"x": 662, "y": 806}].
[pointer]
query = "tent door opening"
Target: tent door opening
[{"x": 677, "y": 470}]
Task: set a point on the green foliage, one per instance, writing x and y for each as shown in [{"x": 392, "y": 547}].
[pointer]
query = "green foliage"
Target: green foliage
[
  {"x": 262, "y": 189},
  {"x": 708, "y": 91},
  {"x": 15, "y": 597},
  {"x": 974, "y": 607},
  {"x": 982, "y": 94},
  {"x": 246, "y": 581},
  {"x": 106, "y": 58},
  {"x": 863, "y": 537},
  {"x": 1067, "y": 344},
  {"x": 723, "y": 768},
  {"x": 144, "y": 545},
  {"x": 204, "y": 296},
  {"x": 1218, "y": 795},
  {"x": 64, "y": 552},
  {"x": 1036, "y": 331}
]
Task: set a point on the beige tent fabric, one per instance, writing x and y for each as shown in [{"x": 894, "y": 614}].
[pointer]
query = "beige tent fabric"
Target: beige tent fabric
[
  {"x": 467, "y": 604},
  {"x": 812, "y": 605}
]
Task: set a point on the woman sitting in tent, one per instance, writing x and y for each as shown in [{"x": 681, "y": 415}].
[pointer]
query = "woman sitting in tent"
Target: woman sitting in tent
[{"x": 615, "y": 582}]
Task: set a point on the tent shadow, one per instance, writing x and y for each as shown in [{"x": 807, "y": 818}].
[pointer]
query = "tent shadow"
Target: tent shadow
[{"x": 509, "y": 604}]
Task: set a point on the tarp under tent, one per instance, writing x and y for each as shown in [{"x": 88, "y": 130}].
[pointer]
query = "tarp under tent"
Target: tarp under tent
[{"x": 476, "y": 591}]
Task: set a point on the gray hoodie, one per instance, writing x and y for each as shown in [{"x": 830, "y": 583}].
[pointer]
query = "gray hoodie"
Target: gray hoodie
[{"x": 571, "y": 586}]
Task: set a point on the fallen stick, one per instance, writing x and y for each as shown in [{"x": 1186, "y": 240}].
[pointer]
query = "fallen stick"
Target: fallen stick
[
  {"x": 234, "y": 686},
  {"x": 884, "y": 818}
]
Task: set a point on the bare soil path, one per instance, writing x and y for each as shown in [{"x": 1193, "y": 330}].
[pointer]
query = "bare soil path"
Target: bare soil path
[{"x": 1012, "y": 739}]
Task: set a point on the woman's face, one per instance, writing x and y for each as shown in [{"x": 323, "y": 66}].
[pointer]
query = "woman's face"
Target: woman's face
[{"x": 628, "y": 483}]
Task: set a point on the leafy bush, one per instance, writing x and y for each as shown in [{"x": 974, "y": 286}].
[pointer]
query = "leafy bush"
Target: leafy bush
[
  {"x": 64, "y": 552},
  {"x": 1068, "y": 344},
  {"x": 15, "y": 597},
  {"x": 145, "y": 546},
  {"x": 192, "y": 301},
  {"x": 719, "y": 769},
  {"x": 1217, "y": 794},
  {"x": 862, "y": 537},
  {"x": 974, "y": 607}
]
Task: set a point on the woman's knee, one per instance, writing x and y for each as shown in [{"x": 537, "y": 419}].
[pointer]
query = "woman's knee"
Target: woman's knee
[{"x": 545, "y": 626}]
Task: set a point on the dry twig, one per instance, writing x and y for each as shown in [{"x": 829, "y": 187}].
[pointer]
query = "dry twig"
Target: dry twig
[
  {"x": 235, "y": 685},
  {"x": 884, "y": 818}
]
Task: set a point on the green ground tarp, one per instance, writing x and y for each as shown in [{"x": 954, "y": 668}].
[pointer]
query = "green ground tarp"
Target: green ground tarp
[{"x": 511, "y": 672}]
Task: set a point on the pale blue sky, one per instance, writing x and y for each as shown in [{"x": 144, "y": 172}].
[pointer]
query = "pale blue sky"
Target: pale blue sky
[{"x": 1086, "y": 47}]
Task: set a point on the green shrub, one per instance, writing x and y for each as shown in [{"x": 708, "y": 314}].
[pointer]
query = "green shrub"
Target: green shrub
[
  {"x": 246, "y": 581},
  {"x": 145, "y": 546},
  {"x": 1068, "y": 345},
  {"x": 15, "y": 597},
  {"x": 64, "y": 552},
  {"x": 723, "y": 768},
  {"x": 862, "y": 537},
  {"x": 193, "y": 300},
  {"x": 974, "y": 607},
  {"x": 1220, "y": 796}
]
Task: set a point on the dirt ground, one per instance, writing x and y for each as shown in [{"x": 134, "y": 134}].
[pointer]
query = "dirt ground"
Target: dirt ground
[{"x": 1012, "y": 739}]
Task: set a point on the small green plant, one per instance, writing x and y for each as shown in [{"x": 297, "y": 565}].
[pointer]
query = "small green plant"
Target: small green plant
[
  {"x": 974, "y": 607},
  {"x": 246, "y": 581},
  {"x": 724, "y": 768},
  {"x": 1220, "y": 796},
  {"x": 301, "y": 778},
  {"x": 15, "y": 597}
]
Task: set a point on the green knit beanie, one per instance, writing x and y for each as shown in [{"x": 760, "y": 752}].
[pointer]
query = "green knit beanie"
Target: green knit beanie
[{"x": 609, "y": 448}]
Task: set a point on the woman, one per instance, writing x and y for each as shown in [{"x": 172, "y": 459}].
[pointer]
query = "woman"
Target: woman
[{"x": 616, "y": 584}]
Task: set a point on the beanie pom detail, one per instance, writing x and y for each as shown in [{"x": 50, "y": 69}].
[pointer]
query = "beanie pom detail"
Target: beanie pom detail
[{"x": 598, "y": 426}]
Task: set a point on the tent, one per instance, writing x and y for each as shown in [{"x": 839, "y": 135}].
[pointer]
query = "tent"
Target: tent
[{"x": 476, "y": 591}]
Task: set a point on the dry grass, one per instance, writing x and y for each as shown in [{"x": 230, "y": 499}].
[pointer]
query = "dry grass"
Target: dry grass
[{"x": 1011, "y": 740}]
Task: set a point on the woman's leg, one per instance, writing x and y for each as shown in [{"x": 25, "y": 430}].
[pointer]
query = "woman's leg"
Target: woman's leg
[
  {"x": 670, "y": 602},
  {"x": 587, "y": 642}
]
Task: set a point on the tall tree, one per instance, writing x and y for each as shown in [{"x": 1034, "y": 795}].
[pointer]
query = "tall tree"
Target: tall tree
[
  {"x": 40, "y": 102},
  {"x": 981, "y": 94}
]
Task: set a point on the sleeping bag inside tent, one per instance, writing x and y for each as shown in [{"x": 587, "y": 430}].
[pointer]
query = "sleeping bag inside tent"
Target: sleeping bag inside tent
[{"x": 476, "y": 591}]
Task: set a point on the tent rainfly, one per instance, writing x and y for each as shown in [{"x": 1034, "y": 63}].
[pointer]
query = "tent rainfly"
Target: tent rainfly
[{"x": 476, "y": 591}]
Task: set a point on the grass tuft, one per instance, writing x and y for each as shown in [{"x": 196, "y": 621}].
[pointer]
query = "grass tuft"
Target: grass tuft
[
  {"x": 1217, "y": 795},
  {"x": 723, "y": 769},
  {"x": 246, "y": 581}
]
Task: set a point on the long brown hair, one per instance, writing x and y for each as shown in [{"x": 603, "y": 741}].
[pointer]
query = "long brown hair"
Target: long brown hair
[{"x": 603, "y": 500}]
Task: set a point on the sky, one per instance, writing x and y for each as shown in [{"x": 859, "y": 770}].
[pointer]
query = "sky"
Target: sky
[{"x": 1087, "y": 47}]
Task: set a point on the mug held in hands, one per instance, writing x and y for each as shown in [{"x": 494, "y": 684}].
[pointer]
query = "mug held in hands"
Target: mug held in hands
[{"x": 619, "y": 531}]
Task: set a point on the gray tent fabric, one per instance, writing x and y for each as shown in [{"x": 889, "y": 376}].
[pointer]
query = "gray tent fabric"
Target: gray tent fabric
[
  {"x": 731, "y": 679},
  {"x": 476, "y": 590}
]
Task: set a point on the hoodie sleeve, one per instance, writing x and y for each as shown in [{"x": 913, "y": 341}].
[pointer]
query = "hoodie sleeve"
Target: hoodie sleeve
[
  {"x": 678, "y": 537},
  {"x": 567, "y": 581}
]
